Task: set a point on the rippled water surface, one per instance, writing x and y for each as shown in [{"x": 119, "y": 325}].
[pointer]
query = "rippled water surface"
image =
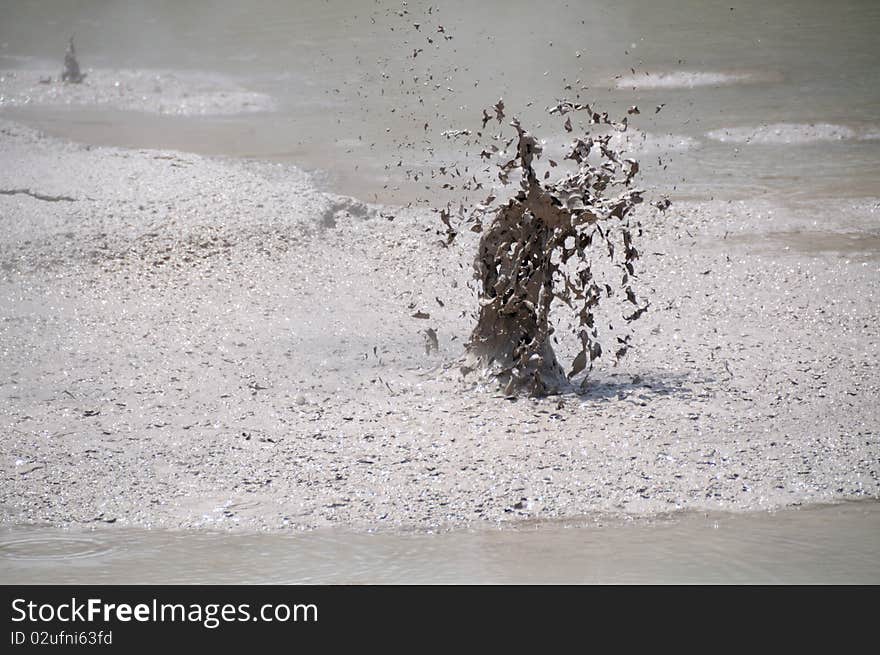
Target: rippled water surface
[
  {"x": 356, "y": 82},
  {"x": 829, "y": 544}
]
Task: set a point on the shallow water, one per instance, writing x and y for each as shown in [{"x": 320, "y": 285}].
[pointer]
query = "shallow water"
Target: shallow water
[
  {"x": 825, "y": 544},
  {"x": 343, "y": 75}
]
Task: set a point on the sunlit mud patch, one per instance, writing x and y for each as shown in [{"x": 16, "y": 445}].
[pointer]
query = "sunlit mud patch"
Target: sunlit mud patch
[
  {"x": 150, "y": 91},
  {"x": 690, "y": 79},
  {"x": 787, "y": 133},
  {"x": 50, "y": 547}
]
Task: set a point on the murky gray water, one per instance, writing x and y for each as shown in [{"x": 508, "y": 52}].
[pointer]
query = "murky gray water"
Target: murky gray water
[
  {"x": 353, "y": 98},
  {"x": 828, "y": 544}
]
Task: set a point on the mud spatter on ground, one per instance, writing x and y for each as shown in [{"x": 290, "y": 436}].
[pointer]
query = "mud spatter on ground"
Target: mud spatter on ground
[{"x": 156, "y": 92}]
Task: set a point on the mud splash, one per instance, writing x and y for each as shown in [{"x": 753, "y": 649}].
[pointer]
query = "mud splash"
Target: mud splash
[{"x": 537, "y": 248}]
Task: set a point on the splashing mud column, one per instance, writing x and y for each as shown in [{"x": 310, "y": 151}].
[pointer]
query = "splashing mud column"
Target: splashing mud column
[
  {"x": 71, "y": 72},
  {"x": 524, "y": 262},
  {"x": 514, "y": 270}
]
